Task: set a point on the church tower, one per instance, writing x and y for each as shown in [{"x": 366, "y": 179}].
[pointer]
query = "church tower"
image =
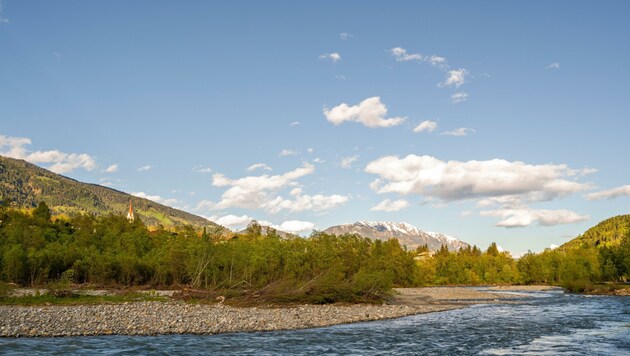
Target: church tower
[{"x": 130, "y": 213}]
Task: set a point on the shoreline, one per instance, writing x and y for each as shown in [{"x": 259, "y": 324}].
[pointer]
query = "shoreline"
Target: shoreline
[
  {"x": 177, "y": 317},
  {"x": 163, "y": 318}
]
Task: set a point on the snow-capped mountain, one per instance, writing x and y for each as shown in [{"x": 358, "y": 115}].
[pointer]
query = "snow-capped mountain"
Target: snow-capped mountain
[{"x": 407, "y": 234}]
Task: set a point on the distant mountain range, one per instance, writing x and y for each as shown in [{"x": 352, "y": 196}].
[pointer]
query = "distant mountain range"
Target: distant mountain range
[
  {"x": 25, "y": 185},
  {"x": 407, "y": 234}
]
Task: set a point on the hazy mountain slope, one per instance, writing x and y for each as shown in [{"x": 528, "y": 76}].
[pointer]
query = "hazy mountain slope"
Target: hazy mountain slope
[
  {"x": 265, "y": 230},
  {"x": 407, "y": 234},
  {"x": 25, "y": 185},
  {"x": 607, "y": 233}
]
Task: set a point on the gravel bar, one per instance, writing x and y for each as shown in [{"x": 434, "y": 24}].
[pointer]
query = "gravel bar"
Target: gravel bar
[{"x": 176, "y": 317}]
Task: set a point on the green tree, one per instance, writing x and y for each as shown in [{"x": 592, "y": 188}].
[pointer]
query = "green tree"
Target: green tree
[{"x": 42, "y": 211}]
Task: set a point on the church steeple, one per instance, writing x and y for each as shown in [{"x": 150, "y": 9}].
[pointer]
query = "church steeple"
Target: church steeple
[{"x": 130, "y": 213}]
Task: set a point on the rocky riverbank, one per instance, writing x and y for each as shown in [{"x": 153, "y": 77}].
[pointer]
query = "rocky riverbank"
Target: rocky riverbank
[
  {"x": 153, "y": 318},
  {"x": 177, "y": 317}
]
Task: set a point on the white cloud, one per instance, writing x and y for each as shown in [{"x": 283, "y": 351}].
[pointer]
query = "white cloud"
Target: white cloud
[
  {"x": 310, "y": 150},
  {"x": 296, "y": 226},
  {"x": 112, "y": 169},
  {"x": 239, "y": 222},
  {"x": 554, "y": 65},
  {"x": 318, "y": 160},
  {"x": 459, "y": 97},
  {"x": 61, "y": 162},
  {"x": 231, "y": 221},
  {"x": 344, "y": 36},
  {"x": 288, "y": 152},
  {"x": 401, "y": 55},
  {"x": 294, "y": 123},
  {"x": 437, "y": 61},
  {"x": 66, "y": 163},
  {"x": 201, "y": 169},
  {"x": 107, "y": 182},
  {"x": 340, "y": 77},
  {"x": 370, "y": 112},
  {"x": 156, "y": 198},
  {"x": 145, "y": 168},
  {"x": 610, "y": 193},
  {"x": 262, "y": 192},
  {"x": 456, "y": 180},
  {"x": 455, "y": 78},
  {"x": 426, "y": 125},
  {"x": 304, "y": 202},
  {"x": 346, "y": 162},
  {"x": 553, "y": 246},
  {"x": 256, "y": 166},
  {"x": 459, "y": 132},
  {"x": 522, "y": 216},
  {"x": 388, "y": 205},
  {"x": 583, "y": 171},
  {"x": 333, "y": 57}
]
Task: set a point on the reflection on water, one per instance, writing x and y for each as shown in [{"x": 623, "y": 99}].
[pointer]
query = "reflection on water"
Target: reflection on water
[{"x": 551, "y": 323}]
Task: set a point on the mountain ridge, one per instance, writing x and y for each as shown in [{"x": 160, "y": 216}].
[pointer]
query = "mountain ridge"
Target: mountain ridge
[
  {"x": 25, "y": 184},
  {"x": 407, "y": 234}
]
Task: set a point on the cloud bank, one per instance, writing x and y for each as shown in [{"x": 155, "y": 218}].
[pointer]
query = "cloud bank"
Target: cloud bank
[
  {"x": 263, "y": 192},
  {"x": 456, "y": 180}
]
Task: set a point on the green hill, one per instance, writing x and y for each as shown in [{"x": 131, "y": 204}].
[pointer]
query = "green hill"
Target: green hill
[
  {"x": 24, "y": 185},
  {"x": 607, "y": 233}
]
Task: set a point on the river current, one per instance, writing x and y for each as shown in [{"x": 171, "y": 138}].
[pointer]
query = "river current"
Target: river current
[{"x": 549, "y": 323}]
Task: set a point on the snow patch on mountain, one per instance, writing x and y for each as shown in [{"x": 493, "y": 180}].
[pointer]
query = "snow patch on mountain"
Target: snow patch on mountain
[{"x": 407, "y": 234}]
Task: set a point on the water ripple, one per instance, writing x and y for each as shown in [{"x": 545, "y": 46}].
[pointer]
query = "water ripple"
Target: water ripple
[{"x": 549, "y": 324}]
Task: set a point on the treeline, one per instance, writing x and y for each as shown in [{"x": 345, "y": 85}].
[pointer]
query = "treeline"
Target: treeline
[
  {"x": 469, "y": 266},
  {"x": 575, "y": 267},
  {"x": 111, "y": 251},
  {"x": 578, "y": 268}
]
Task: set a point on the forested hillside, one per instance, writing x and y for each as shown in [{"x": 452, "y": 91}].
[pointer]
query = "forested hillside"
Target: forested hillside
[
  {"x": 607, "y": 233},
  {"x": 601, "y": 254},
  {"x": 24, "y": 185}
]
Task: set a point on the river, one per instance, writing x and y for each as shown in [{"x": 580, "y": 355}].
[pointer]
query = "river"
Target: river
[{"x": 548, "y": 323}]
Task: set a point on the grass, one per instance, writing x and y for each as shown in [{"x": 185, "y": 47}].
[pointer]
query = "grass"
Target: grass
[
  {"x": 163, "y": 219},
  {"x": 77, "y": 299}
]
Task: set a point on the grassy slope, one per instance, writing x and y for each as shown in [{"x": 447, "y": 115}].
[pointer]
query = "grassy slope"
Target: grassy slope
[{"x": 26, "y": 184}]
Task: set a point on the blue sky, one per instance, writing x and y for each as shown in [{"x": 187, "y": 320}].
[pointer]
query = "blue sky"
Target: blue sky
[{"x": 488, "y": 121}]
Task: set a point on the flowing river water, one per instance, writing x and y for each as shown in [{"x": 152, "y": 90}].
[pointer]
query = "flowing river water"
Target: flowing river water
[{"x": 548, "y": 323}]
